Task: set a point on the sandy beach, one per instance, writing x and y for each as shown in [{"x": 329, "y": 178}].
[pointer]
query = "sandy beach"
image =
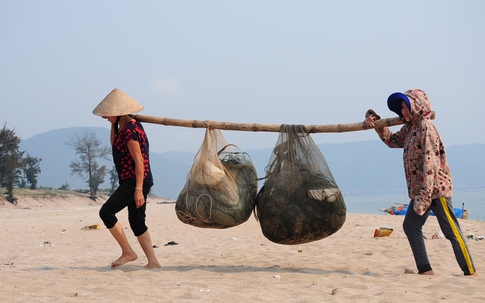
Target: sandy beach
[{"x": 48, "y": 254}]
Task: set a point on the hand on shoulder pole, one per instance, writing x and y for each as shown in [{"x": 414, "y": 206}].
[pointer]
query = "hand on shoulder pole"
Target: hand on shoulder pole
[{"x": 371, "y": 116}]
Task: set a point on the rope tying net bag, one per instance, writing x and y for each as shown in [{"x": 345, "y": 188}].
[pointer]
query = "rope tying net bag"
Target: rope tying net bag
[
  {"x": 221, "y": 186},
  {"x": 300, "y": 201}
]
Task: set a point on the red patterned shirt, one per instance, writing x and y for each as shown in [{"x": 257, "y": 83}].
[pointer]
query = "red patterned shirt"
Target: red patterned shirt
[{"x": 124, "y": 162}]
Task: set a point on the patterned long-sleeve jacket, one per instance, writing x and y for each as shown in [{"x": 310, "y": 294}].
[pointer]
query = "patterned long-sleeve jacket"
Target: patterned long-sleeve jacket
[{"x": 427, "y": 172}]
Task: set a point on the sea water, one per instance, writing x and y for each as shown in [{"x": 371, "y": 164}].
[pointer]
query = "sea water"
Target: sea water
[{"x": 472, "y": 200}]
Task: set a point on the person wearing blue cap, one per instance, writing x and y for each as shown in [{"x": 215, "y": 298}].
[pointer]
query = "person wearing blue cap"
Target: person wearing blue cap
[{"x": 428, "y": 177}]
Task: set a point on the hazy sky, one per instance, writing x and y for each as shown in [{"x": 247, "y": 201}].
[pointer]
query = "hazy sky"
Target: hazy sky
[{"x": 293, "y": 62}]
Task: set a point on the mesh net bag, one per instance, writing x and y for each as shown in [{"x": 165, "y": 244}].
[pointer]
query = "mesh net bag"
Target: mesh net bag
[
  {"x": 300, "y": 201},
  {"x": 221, "y": 186}
]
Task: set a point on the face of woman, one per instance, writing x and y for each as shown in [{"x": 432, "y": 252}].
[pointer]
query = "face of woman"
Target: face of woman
[
  {"x": 405, "y": 111},
  {"x": 111, "y": 119}
]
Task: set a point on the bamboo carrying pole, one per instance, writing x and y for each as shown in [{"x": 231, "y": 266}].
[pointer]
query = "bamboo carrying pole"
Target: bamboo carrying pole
[{"x": 257, "y": 127}]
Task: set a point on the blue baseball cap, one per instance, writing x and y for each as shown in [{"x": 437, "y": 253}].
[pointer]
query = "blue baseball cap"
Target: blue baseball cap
[{"x": 394, "y": 102}]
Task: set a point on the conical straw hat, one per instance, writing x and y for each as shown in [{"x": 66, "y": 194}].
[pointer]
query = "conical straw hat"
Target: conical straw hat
[{"x": 117, "y": 103}]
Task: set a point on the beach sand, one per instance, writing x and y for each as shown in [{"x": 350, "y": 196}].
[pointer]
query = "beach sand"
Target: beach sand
[{"x": 48, "y": 255}]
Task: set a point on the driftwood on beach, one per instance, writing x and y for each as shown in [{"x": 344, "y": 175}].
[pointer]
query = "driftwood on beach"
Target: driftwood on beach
[{"x": 258, "y": 127}]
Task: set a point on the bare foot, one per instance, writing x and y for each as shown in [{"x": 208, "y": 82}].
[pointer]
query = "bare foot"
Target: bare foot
[
  {"x": 473, "y": 274},
  {"x": 153, "y": 265},
  {"x": 125, "y": 258},
  {"x": 427, "y": 273}
]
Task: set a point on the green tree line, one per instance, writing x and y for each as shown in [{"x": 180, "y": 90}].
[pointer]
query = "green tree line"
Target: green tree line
[
  {"x": 19, "y": 170},
  {"x": 15, "y": 168}
]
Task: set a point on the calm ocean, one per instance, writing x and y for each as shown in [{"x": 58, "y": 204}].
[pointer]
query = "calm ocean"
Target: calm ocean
[{"x": 473, "y": 199}]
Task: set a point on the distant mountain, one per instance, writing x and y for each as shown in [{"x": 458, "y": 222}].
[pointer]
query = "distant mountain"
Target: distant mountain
[
  {"x": 467, "y": 165},
  {"x": 56, "y": 157},
  {"x": 358, "y": 167}
]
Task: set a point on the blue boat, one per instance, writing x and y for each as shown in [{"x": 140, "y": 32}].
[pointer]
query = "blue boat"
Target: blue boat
[{"x": 401, "y": 210}]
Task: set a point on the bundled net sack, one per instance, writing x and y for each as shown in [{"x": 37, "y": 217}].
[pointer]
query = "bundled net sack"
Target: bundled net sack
[
  {"x": 300, "y": 201},
  {"x": 221, "y": 186}
]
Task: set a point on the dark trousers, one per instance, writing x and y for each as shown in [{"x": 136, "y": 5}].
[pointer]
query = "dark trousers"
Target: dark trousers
[
  {"x": 121, "y": 198},
  {"x": 443, "y": 210}
]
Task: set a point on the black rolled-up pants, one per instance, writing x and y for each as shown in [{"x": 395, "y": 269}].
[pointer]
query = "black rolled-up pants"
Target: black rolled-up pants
[{"x": 121, "y": 198}]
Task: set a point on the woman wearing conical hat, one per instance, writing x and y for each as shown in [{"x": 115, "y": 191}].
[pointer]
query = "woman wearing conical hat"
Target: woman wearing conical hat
[{"x": 131, "y": 158}]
